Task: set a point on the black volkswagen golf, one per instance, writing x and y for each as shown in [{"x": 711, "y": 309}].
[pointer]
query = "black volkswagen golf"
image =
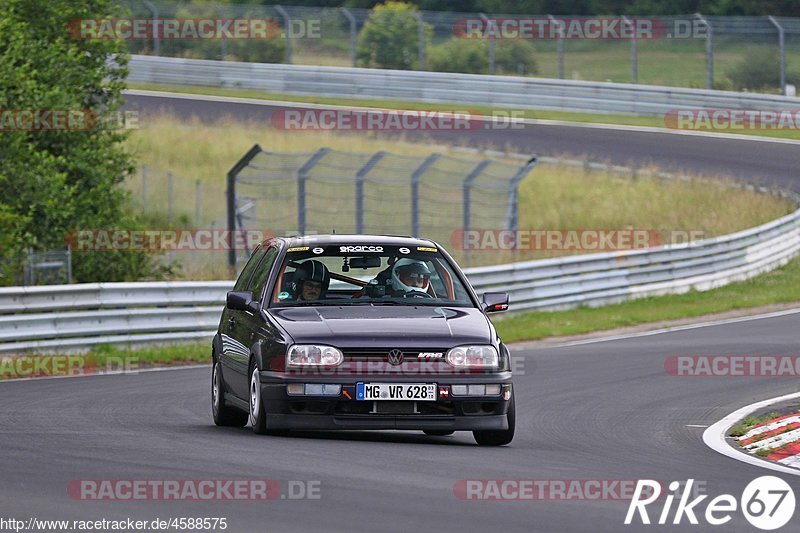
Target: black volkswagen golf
[{"x": 361, "y": 332}]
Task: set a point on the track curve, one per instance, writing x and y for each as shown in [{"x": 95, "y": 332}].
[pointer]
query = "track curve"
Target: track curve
[
  {"x": 756, "y": 159},
  {"x": 604, "y": 411}
]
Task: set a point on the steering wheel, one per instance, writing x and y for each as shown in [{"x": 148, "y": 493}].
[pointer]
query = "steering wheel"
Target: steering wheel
[{"x": 416, "y": 294}]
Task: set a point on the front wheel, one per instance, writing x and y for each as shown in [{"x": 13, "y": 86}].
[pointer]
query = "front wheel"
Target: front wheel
[
  {"x": 501, "y": 437},
  {"x": 224, "y": 415},
  {"x": 258, "y": 415}
]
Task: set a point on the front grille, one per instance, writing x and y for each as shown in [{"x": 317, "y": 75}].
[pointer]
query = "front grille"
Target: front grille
[{"x": 367, "y": 354}]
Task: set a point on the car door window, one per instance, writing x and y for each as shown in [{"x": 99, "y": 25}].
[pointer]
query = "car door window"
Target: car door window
[
  {"x": 243, "y": 282},
  {"x": 261, "y": 274}
]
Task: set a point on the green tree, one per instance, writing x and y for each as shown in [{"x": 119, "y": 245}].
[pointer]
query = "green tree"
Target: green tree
[
  {"x": 56, "y": 181},
  {"x": 390, "y": 38}
]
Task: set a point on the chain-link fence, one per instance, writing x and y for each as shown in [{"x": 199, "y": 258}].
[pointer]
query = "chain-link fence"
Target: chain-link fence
[
  {"x": 332, "y": 191},
  {"x": 693, "y": 50},
  {"x": 47, "y": 268}
]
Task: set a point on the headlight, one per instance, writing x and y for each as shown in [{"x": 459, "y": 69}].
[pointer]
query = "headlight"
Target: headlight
[
  {"x": 473, "y": 357},
  {"x": 300, "y": 355}
]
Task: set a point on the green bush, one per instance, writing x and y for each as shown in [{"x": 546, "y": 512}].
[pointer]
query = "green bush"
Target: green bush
[
  {"x": 516, "y": 57},
  {"x": 460, "y": 55},
  {"x": 390, "y": 38},
  {"x": 760, "y": 70},
  {"x": 472, "y": 56}
]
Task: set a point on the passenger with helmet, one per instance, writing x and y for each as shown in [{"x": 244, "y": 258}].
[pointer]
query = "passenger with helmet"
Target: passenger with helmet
[
  {"x": 310, "y": 281},
  {"x": 410, "y": 275}
]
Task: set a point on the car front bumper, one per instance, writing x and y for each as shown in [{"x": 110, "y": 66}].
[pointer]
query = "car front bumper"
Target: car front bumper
[{"x": 447, "y": 413}]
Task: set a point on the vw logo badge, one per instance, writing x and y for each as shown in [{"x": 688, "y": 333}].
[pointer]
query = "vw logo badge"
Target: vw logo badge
[{"x": 395, "y": 357}]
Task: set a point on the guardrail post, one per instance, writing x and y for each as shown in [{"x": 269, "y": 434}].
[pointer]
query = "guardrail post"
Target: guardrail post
[
  {"x": 709, "y": 51},
  {"x": 467, "y": 201},
  {"x": 559, "y": 44},
  {"x": 224, "y": 42},
  {"x": 634, "y": 51},
  {"x": 416, "y": 176},
  {"x": 170, "y": 195},
  {"x": 302, "y": 176},
  {"x": 782, "y": 51},
  {"x": 360, "y": 175},
  {"x": 144, "y": 188},
  {"x": 513, "y": 194},
  {"x": 231, "y": 197},
  {"x": 156, "y": 39},
  {"x": 353, "y": 33},
  {"x": 288, "y": 21},
  {"x": 492, "y": 55},
  {"x": 198, "y": 199},
  {"x": 69, "y": 264},
  {"x": 421, "y": 36}
]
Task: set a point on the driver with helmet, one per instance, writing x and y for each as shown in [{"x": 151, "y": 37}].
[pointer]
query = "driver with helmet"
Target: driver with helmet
[
  {"x": 410, "y": 275},
  {"x": 310, "y": 281}
]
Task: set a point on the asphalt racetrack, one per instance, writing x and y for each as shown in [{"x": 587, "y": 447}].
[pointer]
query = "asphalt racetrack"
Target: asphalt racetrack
[{"x": 604, "y": 411}]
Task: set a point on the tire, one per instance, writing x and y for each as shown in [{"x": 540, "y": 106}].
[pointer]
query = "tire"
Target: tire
[
  {"x": 438, "y": 432},
  {"x": 258, "y": 416},
  {"x": 501, "y": 437},
  {"x": 224, "y": 415}
]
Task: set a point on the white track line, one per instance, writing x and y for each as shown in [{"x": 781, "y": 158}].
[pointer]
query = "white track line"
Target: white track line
[
  {"x": 542, "y": 122},
  {"x": 714, "y": 436}
]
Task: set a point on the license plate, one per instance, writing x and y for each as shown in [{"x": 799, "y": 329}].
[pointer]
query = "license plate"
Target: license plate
[{"x": 421, "y": 392}]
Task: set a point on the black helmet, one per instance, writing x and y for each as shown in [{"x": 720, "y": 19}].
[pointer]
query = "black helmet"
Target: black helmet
[{"x": 311, "y": 270}]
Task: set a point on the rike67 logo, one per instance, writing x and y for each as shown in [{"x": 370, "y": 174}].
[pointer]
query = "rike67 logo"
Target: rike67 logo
[{"x": 767, "y": 503}]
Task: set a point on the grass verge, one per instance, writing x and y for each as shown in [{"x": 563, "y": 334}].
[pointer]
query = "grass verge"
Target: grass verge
[
  {"x": 590, "y": 118},
  {"x": 102, "y": 359},
  {"x": 779, "y": 286},
  {"x": 750, "y": 422},
  {"x": 552, "y": 197}
]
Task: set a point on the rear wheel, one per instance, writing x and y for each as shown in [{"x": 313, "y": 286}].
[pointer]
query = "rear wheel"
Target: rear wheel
[
  {"x": 438, "y": 432},
  {"x": 224, "y": 415},
  {"x": 258, "y": 415},
  {"x": 501, "y": 437}
]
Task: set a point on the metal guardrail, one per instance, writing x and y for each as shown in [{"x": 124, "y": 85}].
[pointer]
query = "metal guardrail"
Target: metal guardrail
[
  {"x": 437, "y": 87},
  {"x": 73, "y": 317}
]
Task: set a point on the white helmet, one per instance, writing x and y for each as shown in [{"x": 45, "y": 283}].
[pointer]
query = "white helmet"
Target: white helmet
[{"x": 410, "y": 267}]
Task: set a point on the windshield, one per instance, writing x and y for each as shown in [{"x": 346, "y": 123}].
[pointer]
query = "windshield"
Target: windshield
[{"x": 361, "y": 274}]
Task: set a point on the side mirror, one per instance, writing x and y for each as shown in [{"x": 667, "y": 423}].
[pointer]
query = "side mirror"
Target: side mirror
[
  {"x": 239, "y": 300},
  {"x": 494, "y": 302}
]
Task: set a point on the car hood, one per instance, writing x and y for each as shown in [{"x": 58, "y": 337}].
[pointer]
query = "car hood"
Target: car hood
[{"x": 385, "y": 326}]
